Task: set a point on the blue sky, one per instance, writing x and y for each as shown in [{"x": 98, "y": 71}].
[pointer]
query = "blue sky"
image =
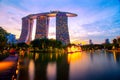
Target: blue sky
[{"x": 96, "y": 20}]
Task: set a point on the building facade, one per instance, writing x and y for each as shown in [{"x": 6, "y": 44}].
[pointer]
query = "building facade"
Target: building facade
[{"x": 42, "y": 26}]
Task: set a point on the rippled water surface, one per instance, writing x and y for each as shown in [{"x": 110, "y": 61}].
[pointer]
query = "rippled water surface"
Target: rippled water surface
[{"x": 97, "y": 65}]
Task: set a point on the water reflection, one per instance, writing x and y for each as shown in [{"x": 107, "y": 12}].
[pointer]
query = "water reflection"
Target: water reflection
[
  {"x": 36, "y": 56},
  {"x": 96, "y": 65},
  {"x": 62, "y": 67},
  {"x": 43, "y": 66},
  {"x": 116, "y": 56},
  {"x": 74, "y": 57},
  {"x": 51, "y": 71},
  {"x": 8, "y": 68},
  {"x": 31, "y": 70},
  {"x": 6, "y": 65}
]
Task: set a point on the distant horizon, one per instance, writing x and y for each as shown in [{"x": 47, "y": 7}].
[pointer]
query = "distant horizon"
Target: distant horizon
[{"x": 96, "y": 20}]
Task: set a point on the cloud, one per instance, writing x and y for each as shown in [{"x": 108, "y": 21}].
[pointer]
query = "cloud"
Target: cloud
[
  {"x": 96, "y": 19},
  {"x": 10, "y": 18}
]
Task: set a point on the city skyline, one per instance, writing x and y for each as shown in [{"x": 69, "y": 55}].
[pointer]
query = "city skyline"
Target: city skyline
[{"x": 96, "y": 20}]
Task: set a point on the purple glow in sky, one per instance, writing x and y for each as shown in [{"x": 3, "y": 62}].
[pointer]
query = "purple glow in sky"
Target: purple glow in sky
[{"x": 96, "y": 20}]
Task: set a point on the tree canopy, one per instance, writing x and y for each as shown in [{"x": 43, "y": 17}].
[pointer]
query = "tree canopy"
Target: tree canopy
[
  {"x": 3, "y": 39},
  {"x": 46, "y": 43}
]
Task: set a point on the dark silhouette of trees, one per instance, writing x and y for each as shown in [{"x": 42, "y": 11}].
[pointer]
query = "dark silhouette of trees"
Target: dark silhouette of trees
[
  {"x": 55, "y": 43},
  {"x": 107, "y": 44},
  {"x": 3, "y": 39},
  {"x": 45, "y": 43},
  {"x": 115, "y": 44},
  {"x": 22, "y": 45},
  {"x": 118, "y": 39},
  {"x": 114, "y": 41}
]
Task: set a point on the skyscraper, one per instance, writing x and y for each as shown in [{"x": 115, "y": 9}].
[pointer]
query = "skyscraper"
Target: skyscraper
[{"x": 42, "y": 26}]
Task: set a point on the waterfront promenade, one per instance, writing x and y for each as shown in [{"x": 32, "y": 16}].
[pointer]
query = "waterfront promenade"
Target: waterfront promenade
[{"x": 8, "y": 68}]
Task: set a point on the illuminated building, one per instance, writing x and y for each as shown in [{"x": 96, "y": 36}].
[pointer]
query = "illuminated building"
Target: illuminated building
[{"x": 42, "y": 26}]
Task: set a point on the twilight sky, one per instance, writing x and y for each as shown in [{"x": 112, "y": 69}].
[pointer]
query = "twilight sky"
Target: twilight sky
[{"x": 96, "y": 20}]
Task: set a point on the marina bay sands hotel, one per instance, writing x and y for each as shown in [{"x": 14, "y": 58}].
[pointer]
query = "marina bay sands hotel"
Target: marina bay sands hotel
[{"x": 42, "y": 26}]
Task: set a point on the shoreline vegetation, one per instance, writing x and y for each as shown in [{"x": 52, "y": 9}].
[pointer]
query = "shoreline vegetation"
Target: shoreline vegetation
[
  {"x": 114, "y": 50},
  {"x": 3, "y": 56},
  {"x": 23, "y": 48},
  {"x": 50, "y": 46}
]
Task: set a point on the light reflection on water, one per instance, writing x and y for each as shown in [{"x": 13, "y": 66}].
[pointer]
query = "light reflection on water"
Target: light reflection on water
[
  {"x": 31, "y": 70},
  {"x": 6, "y": 65},
  {"x": 98, "y": 65},
  {"x": 51, "y": 71}
]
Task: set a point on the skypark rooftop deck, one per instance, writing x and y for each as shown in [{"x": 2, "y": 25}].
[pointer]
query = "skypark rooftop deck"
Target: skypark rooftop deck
[{"x": 50, "y": 14}]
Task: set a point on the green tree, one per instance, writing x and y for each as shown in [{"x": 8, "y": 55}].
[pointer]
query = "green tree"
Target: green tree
[
  {"x": 118, "y": 39},
  {"x": 107, "y": 44},
  {"x": 22, "y": 45},
  {"x": 3, "y": 39},
  {"x": 115, "y": 43},
  {"x": 35, "y": 43},
  {"x": 45, "y": 43}
]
